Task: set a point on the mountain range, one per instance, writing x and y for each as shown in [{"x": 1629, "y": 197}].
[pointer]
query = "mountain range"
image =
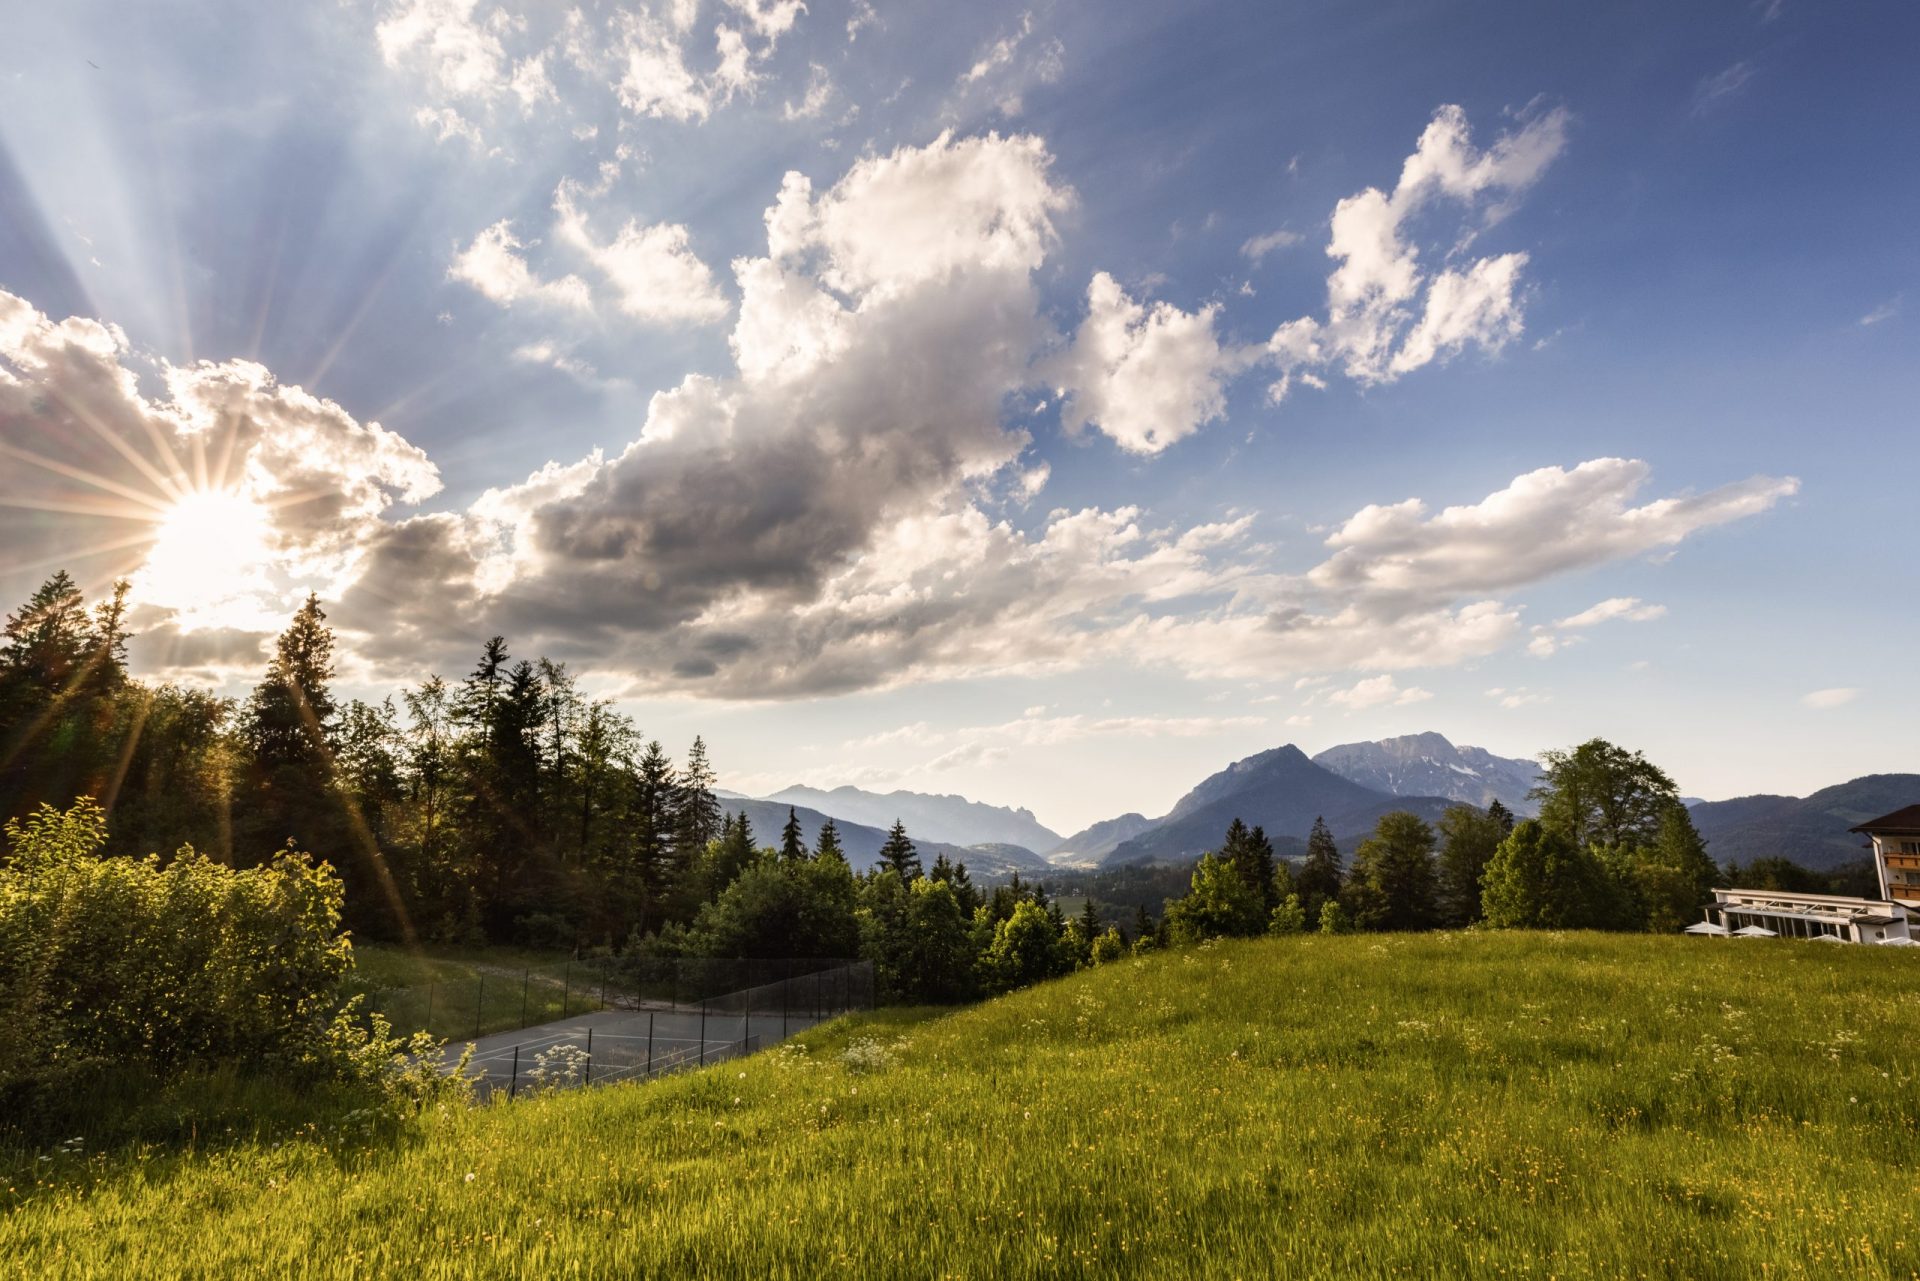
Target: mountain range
[
  {"x": 1283, "y": 790},
  {"x": 1428, "y": 765},
  {"x": 953, "y": 819},
  {"x": 862, "y": 842}
]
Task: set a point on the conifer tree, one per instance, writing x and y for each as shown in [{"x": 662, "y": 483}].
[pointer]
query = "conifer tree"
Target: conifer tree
[
  {"x": 1318, "y": 879},
  {"x": 827, "y": 847},
  {"x": 1392, "y": 883},
  {"x": 291, "y": 711},
  {"x": 1501, "y": 815},
  {"x": 698, "y": 810},
  {"x": 898, "y": 853},
  {"x": 793, "y": 842}
]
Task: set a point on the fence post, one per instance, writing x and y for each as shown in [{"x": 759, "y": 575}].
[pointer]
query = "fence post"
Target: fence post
[
  {"x": 526, "y": 980},
  {"x": 566, "y": 987},
  {"x": 479, "y": 1003},
  {"x": 703, "y": 1032},
  {"x": 649, "y": 1042},
  {"x": 589, "y": 1076},
  {"x": 746, "y": 1029},
  {"x": 514, "y": 1089}
]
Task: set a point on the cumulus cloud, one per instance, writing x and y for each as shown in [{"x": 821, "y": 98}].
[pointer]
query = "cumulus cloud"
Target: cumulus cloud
[
  {"x": 1377, "y": 691},
  {"x": 222, "y": 497},
  {"x": 494, "y": 265},
  {"x": 1144, "y": 376},
  {"x": 823, "y": 516},
  {"x": 1549, "y": 521},
  {"x": 1385, "y": 315},
  {"x": 653, "y": 270},
  {"x": 1823, "y": 699}
]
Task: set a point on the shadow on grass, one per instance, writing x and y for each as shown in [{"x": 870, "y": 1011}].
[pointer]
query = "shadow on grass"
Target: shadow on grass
[{"x": 70, "y": 1132}]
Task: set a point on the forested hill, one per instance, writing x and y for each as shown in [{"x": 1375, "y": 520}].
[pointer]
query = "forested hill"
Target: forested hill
[{"x": 1810, "y": 830}]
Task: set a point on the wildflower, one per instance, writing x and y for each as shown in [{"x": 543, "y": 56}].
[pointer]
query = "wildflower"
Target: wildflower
[{"x": 469, "y": 1176}]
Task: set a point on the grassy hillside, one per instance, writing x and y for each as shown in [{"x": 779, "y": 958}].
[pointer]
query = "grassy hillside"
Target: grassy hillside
[{"x": 1357, "y": 1106}]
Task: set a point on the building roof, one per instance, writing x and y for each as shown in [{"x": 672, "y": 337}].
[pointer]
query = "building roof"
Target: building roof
[{"x": 1906, "y": 820}]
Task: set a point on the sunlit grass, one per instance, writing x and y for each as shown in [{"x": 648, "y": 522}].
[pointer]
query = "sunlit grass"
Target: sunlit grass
[{"x": 1360, "y": 1106}]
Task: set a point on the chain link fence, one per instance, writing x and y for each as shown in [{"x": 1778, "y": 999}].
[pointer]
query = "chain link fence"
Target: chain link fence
[{"x": 604, "y": 1020}]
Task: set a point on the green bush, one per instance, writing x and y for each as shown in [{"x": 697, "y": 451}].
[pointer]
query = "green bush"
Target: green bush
[{"x": 162, "y": 971}]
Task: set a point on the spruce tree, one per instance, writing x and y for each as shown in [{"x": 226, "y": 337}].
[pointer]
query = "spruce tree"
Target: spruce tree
[
  {"x": 898, "y": 853},
  {"x": 827, "y": 847},
  {"x": 793, "y": 842},
  {"x": 290, "y": 712},
  {"x": 1501, "y": 815},
  {"x": 1318, "y": 879},
  {"x": 654, "y": 854},
  {"x": 698, "y": 809},
  {"x": 47, "y": 643}
]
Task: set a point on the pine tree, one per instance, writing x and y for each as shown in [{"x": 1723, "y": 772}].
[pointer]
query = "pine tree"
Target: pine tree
[
  {"x": 107, "y": 649},
  {"x": 827, "y": 847},
  {"x": 793, "y": 842},
  {"x": 291, "y": 711},
  {"x": 47, "y": 642},
  {"x": 1318, "y": 879},
  {"x": 898, "y": 853},
  {"x": 698, "y": 810},
  {"x": 654, "y": 821},
  {"x": 1250, "y": 853},
  {"x": 1501, "y": 815}
]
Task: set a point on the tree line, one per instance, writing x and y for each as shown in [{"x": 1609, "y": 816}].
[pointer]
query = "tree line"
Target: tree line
[
  {"x": 505, "y": 806},
  {"x": 1612, "y": 848}
]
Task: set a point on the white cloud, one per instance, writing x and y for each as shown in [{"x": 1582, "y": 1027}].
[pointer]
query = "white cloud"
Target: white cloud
[
  {"x": 1258, "y": 247},
  {"x": 814, "y": 103},
  {"x": 999, "y": 53},
  {"x": 653, "y": 270},
  {"x": 1377, "y": 691},
  {"x": 1378, "y": 325},
  {"x": 1146, "y": 376},
  {"x": 1884, "y": 312},
  {"x": 1515, "y": 698},
  {"x": 1716, "y": 89},
  {"x": 446, "y": 124},
  {"x": 1822, "y": 699},
  {"x": 230, "y": 495},
  {"x": 493, "y": 265},
  {"x": 770, "y": 18},
  {"x": 1628, "y": 609},
  {"x": 1546, "y": 522},
  {"x": 458, "y": 54}
]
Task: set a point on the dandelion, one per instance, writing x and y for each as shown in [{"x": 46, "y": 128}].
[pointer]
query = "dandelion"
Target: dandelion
[{"x": 469, "y": 1176}]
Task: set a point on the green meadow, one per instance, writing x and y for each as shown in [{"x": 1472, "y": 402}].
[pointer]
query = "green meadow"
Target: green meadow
[{"x": 1344, "y": 1106}]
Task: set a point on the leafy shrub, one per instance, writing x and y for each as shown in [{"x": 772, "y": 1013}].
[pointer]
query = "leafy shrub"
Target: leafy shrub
[{"x": 165, "y": 970}]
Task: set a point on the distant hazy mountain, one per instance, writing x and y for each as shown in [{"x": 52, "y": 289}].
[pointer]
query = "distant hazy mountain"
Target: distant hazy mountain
[
  {"x": 1279, "y": 790},
  {"x": 953, "y": 819},
  {"x": 1088, "y": 847},
  {"x": 862, "y": 843},
  {"x": 1812, "y": 830},
  {"x": 1428, "y": 765}
]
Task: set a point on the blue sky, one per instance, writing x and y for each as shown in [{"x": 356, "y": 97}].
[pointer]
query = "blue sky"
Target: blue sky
[{"x": 981, "y": 482}]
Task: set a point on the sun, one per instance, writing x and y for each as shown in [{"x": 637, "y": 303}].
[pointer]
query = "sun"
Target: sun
[{"x": 209, "y": 548}]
